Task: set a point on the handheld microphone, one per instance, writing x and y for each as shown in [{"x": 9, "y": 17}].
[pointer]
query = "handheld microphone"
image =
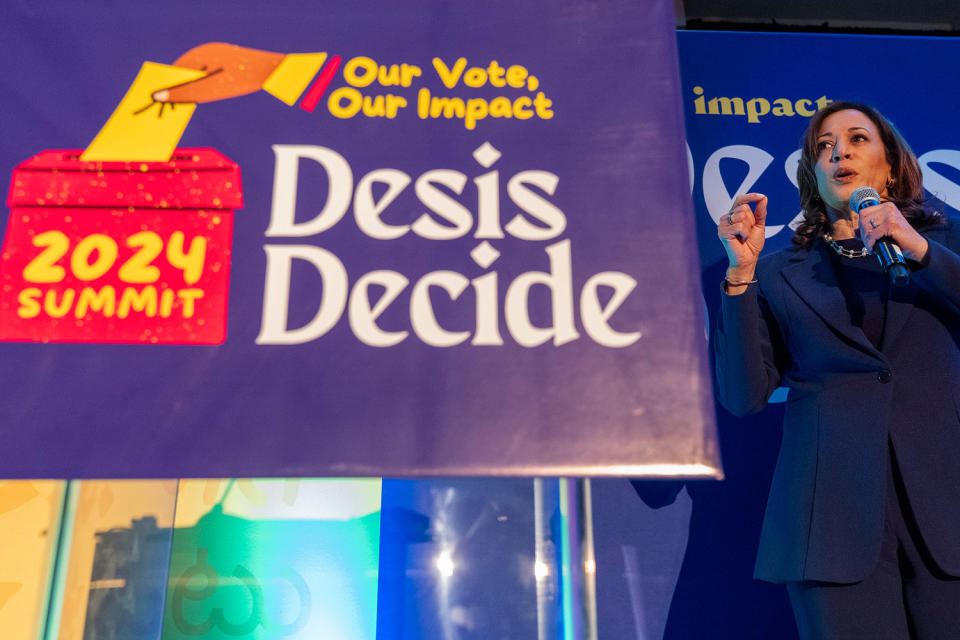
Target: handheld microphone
[{"x": 887, "y": 251}]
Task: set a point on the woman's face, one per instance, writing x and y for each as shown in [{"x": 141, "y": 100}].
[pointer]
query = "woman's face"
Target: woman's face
[{"x": 850, "y": 154}]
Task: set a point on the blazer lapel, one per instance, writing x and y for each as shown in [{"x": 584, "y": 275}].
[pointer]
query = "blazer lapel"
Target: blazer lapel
[
  {"x": 810, "y": 273},
  {"x": 901, "y": 300},
  {"x": 899, "y": 306}
]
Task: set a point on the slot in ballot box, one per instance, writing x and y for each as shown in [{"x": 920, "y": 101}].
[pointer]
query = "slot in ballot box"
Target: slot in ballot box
[{"x": 121, "y": 252}]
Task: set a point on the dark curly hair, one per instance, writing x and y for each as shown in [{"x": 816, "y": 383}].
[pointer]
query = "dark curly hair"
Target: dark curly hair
[{"x": 906, "y": 191}]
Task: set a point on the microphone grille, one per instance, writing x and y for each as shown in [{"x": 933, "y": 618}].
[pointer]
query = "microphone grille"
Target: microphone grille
[{"x": 864, "y": 196}]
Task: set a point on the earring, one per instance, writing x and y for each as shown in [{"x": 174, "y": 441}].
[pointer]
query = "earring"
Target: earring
[{"x": 890, "y": 183}]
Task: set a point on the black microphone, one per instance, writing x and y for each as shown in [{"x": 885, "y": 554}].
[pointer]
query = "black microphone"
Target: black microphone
[{"x": 885, "y": 249}]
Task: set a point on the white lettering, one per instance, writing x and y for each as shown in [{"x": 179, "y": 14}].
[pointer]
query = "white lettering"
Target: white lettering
[
  {"x": 363, "y": 318},
  {"x": 560, "y": 282},
  {"x": 595, "y": 316},
  {"x": 423, "y": 319},
  {"x": 283, "y": 210},
  {"x": 715, "y": 193},
  {"x": 536, "y": 206},
  {"x": 276, "y": 293},
  {"x": 443, "y": 205},
  {"x": 936, "y": 183},
  {"x": 367, "y": 211}
]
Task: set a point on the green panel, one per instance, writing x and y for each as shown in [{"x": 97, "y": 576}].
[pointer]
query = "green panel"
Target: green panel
[{"x": 310, "y": 574}]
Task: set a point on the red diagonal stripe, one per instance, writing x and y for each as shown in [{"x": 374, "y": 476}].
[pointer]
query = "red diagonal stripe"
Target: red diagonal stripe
[{"x": 309, "y": 102}]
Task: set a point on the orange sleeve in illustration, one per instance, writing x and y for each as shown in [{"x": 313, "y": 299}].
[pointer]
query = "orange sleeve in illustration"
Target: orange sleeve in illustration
[{"x": 232, "y": 71}]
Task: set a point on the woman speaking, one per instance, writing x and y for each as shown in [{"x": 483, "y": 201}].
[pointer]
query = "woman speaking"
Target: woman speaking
[{"x": 863, "y": 519}]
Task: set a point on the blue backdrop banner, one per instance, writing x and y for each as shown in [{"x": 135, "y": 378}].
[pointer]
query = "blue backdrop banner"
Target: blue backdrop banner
[{"x": 748, "y": 96}]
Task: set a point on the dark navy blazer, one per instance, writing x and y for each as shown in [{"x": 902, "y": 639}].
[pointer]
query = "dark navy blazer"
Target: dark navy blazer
[{"x": 846, "y": 400}]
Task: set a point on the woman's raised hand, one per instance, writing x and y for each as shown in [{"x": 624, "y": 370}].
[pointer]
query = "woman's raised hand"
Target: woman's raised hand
[
  {"x": 886, "y": 221},
  {"x": 742, "y": 232}
]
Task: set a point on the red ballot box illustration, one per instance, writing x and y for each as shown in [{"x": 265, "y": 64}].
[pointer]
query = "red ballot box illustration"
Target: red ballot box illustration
[{"x": 119, "y": 252}]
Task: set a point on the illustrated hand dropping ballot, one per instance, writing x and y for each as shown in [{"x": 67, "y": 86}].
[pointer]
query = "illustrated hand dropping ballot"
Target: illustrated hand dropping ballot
[{"x": 129, "y": 240}]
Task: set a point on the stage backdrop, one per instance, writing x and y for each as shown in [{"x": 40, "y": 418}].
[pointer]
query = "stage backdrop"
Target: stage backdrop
[
  {"x": 308, "y": 238},
  {"x": 748, "y": 97}
]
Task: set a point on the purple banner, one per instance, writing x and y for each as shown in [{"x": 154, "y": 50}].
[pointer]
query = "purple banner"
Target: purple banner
[{"x": 298, "y": 239}]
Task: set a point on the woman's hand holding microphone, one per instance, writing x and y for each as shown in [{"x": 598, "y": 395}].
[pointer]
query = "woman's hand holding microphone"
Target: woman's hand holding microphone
[
  {"x": 886, "y": 221},
  {"x": 742, "y": 233}
]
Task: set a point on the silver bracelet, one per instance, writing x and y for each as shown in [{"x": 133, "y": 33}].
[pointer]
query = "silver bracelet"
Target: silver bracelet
[{"x": 739, "y": 283}]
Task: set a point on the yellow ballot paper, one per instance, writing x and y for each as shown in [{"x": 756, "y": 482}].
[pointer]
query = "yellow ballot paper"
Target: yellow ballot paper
[{"x": 139, "y": 130}]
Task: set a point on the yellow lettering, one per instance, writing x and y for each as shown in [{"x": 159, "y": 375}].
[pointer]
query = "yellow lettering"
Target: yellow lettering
[
  {"x": 42, "y": 268},
  {"x": 423, "y": 103},
  {"x": 166, "y": 303},
  {"x": 476, "y": 110},
  {"x": 338, "y": 108},
  {"x": 145, "y": 301},
  {"x": 783, "y": 107},
  {"x": 516, "y": 76},
  {"x": 698, "y": 103},
  {"x": 542, "y": 105},
  {"x": 408, "y": 72},
  {"x": 374, "y": 106},
  {"x": 138, "y": 268},
  {"x": 448, "y": 76},
  {"x": 106, "y": 250},
  {"x": 475, "y": 77},
  {"x": 802, "y": 107},
  {"x": 29, "y": 305},
  {"x": 382, "y": 106},
  {"x": 728, "y": 106},
  {"x": 54, "y": 310},
  {"x": 366, "y": 65},
  {"x": 756, "y": 108},
  {"x": 104, "y": 301},
  {"x": 189, "y": 296},
  {"x": 388, "y": 76},
  {"x": 450, "y": 107},
  {"x": 521, "y": 108},
  {"x": 393, "y": 104},
  {"x": 191, "y": 262},
  {"x": 501, "y": 107},
  {"x": 495, "y": 71}
]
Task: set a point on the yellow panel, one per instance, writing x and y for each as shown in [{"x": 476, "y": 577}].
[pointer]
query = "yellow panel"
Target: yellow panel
[
  {"x": 138, "y": 131},
  {"x": 29, "y": 524},
  {"x": 105, "y": 507},
  {"x": 292, "y": 75}
]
